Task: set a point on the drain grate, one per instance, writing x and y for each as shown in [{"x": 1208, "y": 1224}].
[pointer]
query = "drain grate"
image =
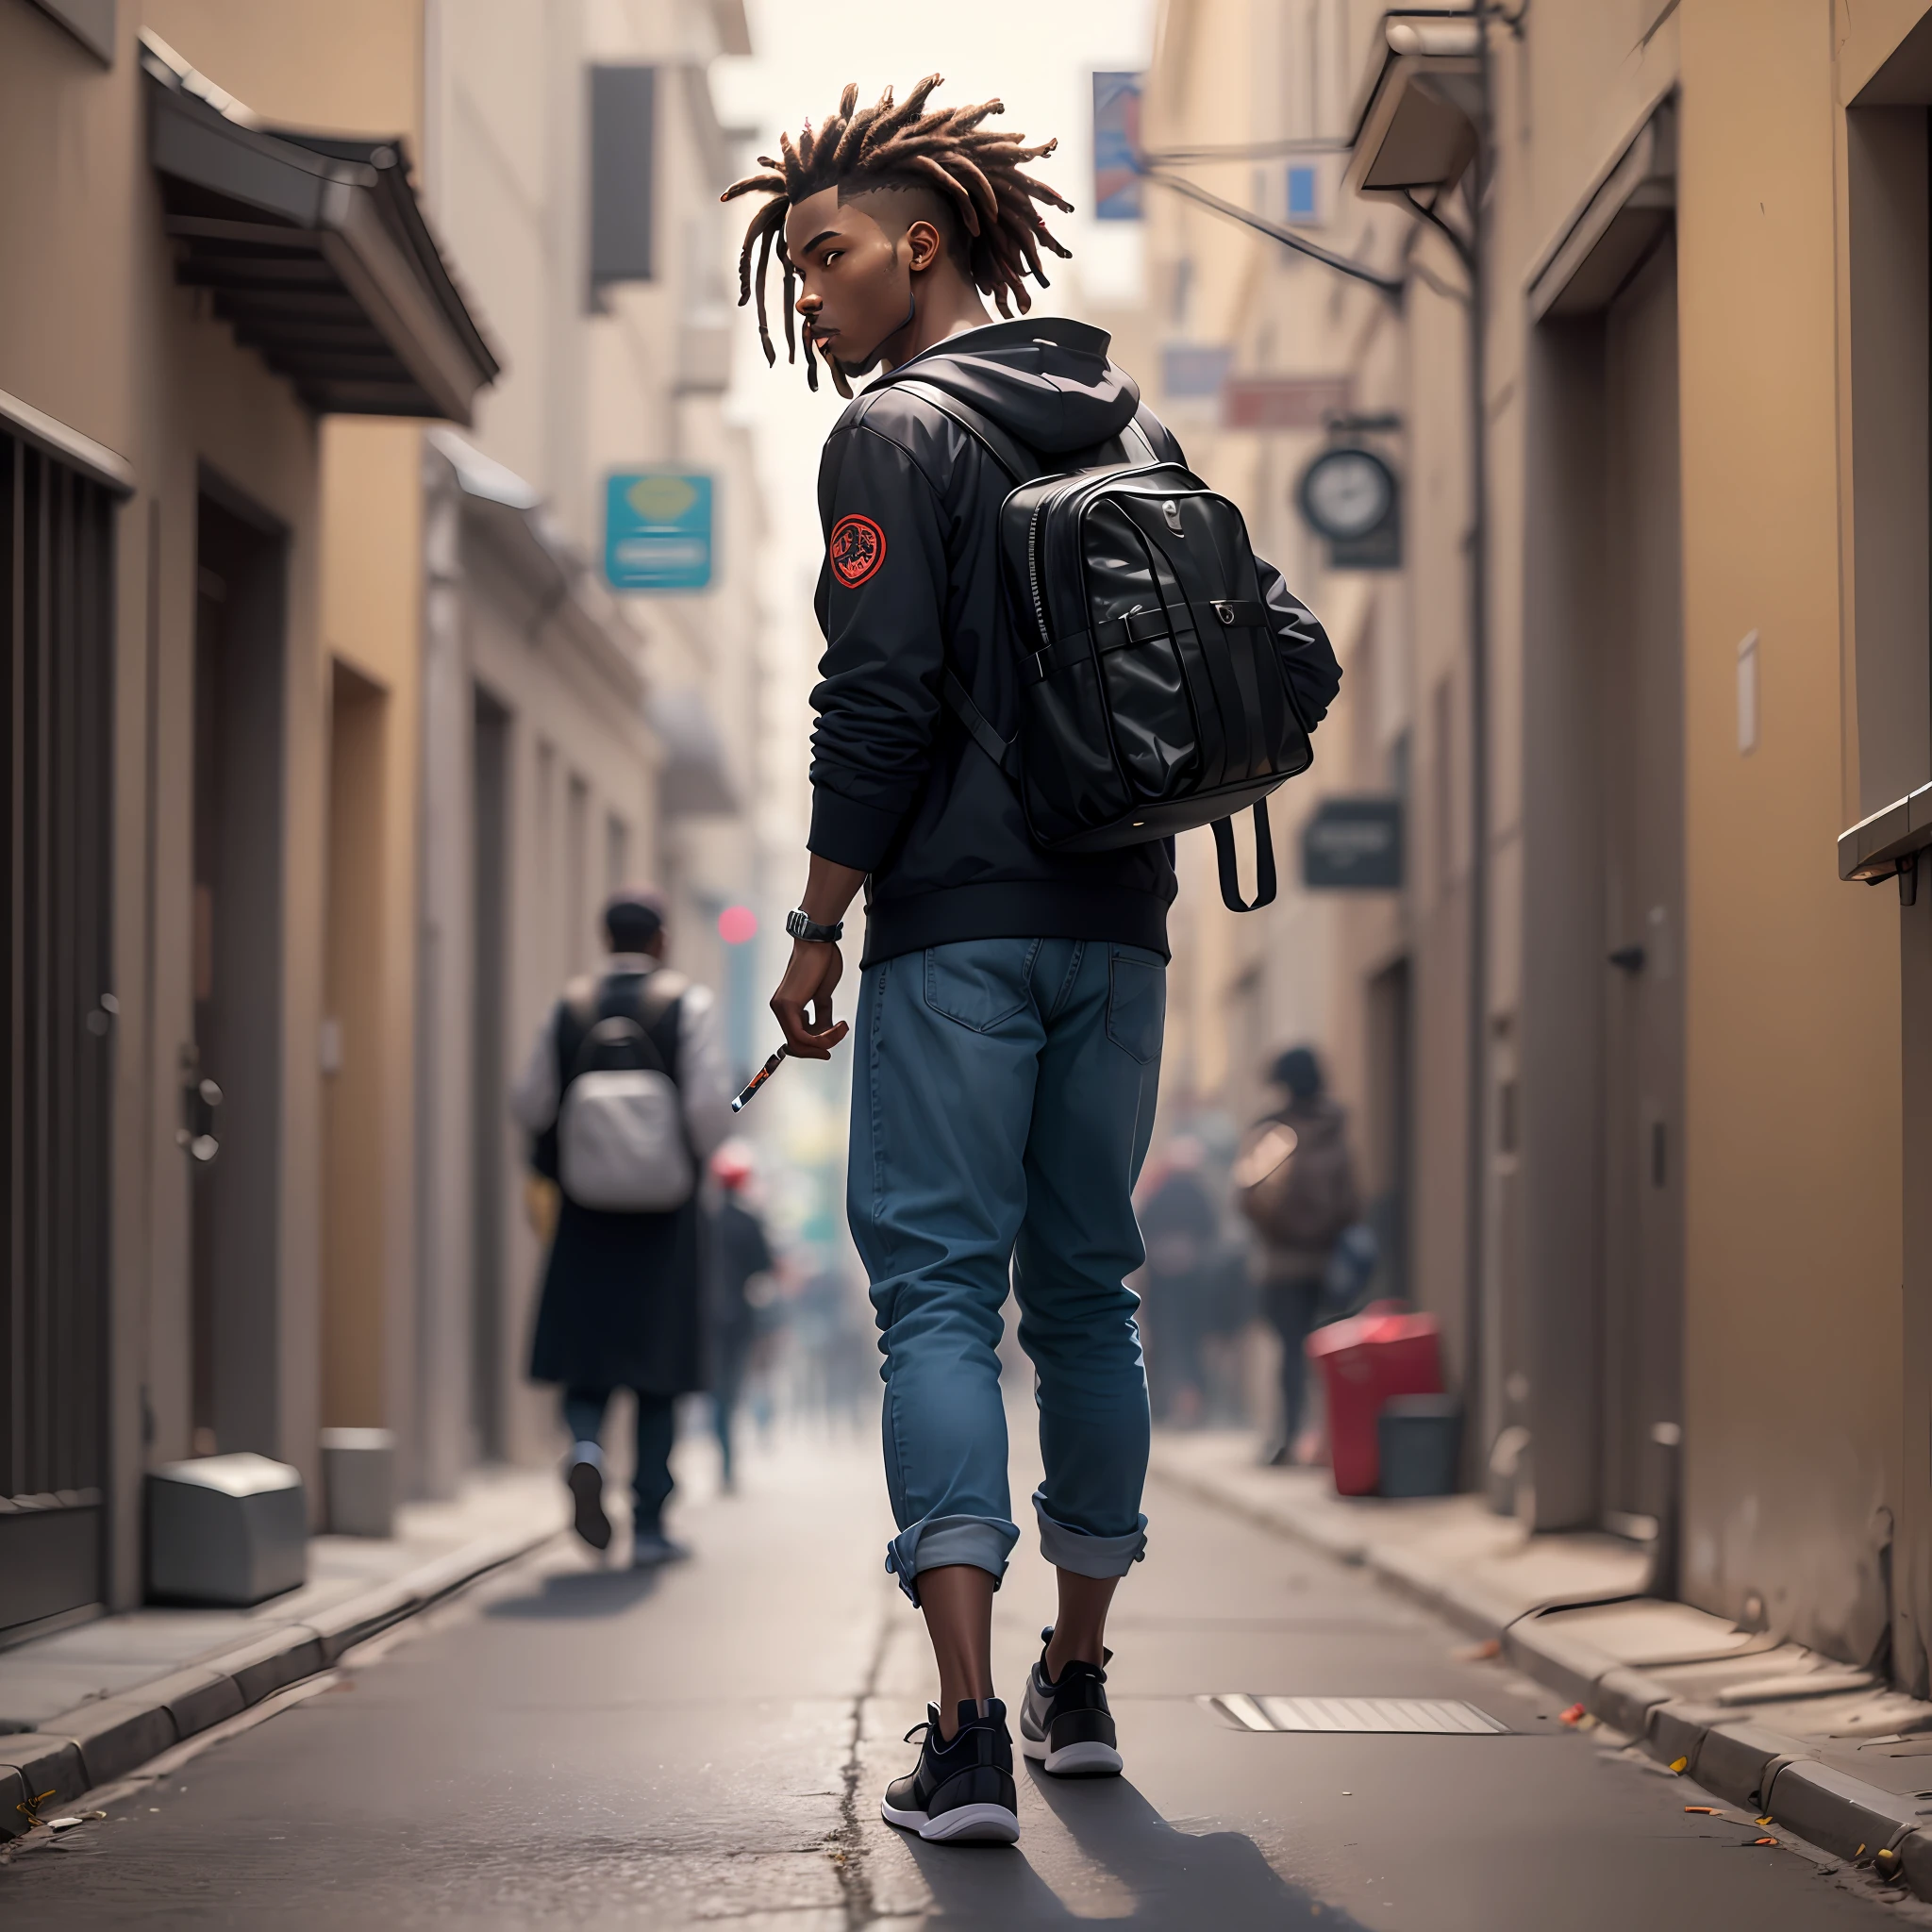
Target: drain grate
[{"x": 1408, "y": 1715}]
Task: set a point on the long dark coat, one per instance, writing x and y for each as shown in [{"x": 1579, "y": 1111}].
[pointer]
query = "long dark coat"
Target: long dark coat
[{"x": 622, "y": 1304}]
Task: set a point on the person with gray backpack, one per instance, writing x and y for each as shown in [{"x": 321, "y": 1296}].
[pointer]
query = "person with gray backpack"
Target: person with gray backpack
[
  {"x": 625, "y": 1095},
  {"x": 1295, "y": 1182}
]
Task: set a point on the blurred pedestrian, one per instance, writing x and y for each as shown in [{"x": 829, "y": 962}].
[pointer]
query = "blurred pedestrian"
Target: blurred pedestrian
[
  {"x": 1008, "y": 1049},
  {"x": 1295, "y": 1181},
  {"x": 1181, "y": 1229},
  {"x": 626, "y": 1084},
  {"x": 736, "y": 1254}
]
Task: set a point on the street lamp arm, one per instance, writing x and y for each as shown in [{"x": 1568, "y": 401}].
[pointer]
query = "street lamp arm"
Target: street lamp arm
[
  {"x": 1341, "y": 264},
  {"x": 1244, "y": 151},
  {"x": 1465, "y": 252}
]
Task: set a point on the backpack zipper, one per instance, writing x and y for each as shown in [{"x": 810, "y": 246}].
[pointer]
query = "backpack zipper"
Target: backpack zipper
[
  {"x": 1033, "y": 573},
  {"x": 1040, "y": 508}
]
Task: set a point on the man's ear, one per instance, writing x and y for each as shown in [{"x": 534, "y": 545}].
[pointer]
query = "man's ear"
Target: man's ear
[{"x": 924, "y": 244}]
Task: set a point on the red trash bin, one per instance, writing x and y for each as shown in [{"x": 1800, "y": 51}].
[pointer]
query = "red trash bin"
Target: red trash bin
[{"x": 1383, "y": 1352}]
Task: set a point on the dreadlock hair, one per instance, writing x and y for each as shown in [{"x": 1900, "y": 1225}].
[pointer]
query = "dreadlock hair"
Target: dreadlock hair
[{"x": 974, "y": 169}]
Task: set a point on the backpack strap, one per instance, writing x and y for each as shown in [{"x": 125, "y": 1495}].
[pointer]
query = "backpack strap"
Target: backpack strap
[
  {"x": 1264, "y": 863},
  {"x": 1014, "y": 457},
  {"x": 588, "y": 1002},
  {"x": 1021, "y": 466},
  {"x": 1003, "y": 751}
]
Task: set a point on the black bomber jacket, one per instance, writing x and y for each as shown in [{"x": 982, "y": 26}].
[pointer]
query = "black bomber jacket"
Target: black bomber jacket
[{"x": 909, "y": 502}]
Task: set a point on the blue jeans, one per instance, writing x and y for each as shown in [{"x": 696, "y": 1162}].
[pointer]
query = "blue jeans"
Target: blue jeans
[{"x": 1002, "y": 1100}]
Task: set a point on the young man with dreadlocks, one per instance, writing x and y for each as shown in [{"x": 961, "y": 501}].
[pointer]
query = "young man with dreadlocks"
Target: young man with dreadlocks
[{"x": 1012, "y": 1006}]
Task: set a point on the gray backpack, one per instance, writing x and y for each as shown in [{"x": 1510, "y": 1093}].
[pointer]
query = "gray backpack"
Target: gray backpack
[{"x": 620, "y": 1143}]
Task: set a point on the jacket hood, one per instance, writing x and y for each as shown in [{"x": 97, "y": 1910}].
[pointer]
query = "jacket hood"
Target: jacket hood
[{"x": 1046, "y": 382}]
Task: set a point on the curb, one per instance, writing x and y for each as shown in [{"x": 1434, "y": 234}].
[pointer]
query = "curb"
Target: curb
[
  {"x": 1731, "y": 1753},
  {"x": 98, "y": 1743}
]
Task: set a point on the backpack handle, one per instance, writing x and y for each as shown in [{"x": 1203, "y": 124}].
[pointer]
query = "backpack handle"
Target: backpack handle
[{"x": 1264, "y": 863}]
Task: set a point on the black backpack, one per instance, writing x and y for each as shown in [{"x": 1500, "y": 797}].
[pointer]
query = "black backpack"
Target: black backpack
[{"x": 1152, "y": 697}]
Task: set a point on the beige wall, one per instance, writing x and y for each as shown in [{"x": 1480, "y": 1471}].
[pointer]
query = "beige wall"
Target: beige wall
[
  {"x": 101, "y": 340},
  {"x": 372, "y": 625},
  {"x": 1793, "y": 1242}
]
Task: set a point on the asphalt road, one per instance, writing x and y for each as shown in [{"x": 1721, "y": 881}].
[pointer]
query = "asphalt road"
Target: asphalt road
[{"x": 573, "y": 1747}]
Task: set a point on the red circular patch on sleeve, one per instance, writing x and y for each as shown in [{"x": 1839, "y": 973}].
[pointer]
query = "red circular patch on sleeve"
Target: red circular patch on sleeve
[{"x": 857, "y": 548}]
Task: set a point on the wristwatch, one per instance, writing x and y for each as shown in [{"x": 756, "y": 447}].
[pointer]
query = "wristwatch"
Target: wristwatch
[{"x": 802, "y": 925}]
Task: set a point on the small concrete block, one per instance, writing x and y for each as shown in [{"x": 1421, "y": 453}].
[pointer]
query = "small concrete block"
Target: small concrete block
[
  {"x": 116, "y": 1734},
  {"x": 1676, "y": 1731},
  {"x": 197, "y": 1699},
  {"x": 225, "y": 1529},
  {"x": 1840, "y": 1812},
  {"x": 1739, "y": 1762},
  {"x": 278, "y": 1658},
  {"x": 48, "y": 1765},
  {"x": 1625, "y": 1698},
  {"x": 358, "y": 1481},
  {"x": 12, "y": 1796}
]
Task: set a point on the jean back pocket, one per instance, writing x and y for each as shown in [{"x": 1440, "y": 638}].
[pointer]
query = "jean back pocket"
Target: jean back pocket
[
  {"x": 1136, "y": 1001},
  {"x": 979, "y": 983}
]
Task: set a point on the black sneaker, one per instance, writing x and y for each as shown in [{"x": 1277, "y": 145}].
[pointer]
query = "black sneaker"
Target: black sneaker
[
  {"x": 585, "y": 1480},
  {"x": 1064, "y": 1721},
  {"x": 962, "y": 1790}
]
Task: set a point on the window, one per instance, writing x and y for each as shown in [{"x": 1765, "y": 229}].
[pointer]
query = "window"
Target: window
[
  {"x": 624, "y": 125},
  {"x": 578, "y": 938},
  {"x": 616, "y": 854},
  {"x": 57, "y": 1011},
  {"x": 1442, "y": 728}
]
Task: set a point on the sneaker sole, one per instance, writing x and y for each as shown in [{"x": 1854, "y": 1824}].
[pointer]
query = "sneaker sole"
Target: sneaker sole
[
  {"x": 1090, "y": 1759},
  {"x": 986, "y": 1824},
  {"x": 585, "y": 1483}
]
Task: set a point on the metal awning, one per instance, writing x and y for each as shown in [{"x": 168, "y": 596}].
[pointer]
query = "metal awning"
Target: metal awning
[
  {"x": 315, "y": 251},
  {"x": 1415, "y": 116}
]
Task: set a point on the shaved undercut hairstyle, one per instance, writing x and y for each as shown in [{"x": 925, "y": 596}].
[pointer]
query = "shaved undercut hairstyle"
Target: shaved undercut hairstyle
[{"x": 969, "y": 175}]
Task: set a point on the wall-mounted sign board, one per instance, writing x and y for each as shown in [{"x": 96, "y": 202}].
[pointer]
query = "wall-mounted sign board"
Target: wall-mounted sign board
[
  {"x": 1353, "y": 845},
  {"x": 1116, "y": 147},
  {"x": 658, "y": 531}
]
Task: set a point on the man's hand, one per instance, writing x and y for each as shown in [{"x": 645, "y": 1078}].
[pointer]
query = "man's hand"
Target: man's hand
[
  {"x": 815, "y": 968},
  {"x": 811, "y": 976}
]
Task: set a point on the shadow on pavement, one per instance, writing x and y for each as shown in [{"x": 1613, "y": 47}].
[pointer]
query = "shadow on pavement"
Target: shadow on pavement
[
  {"x": 572, "y": 1593},
  {"x": 1175, "y": 1879}
]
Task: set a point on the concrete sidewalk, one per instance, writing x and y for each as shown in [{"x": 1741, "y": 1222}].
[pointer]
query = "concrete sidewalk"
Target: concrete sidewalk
[
  {"x": 1830, "y": 1753},
  {"x": 83, "y": 1705}
]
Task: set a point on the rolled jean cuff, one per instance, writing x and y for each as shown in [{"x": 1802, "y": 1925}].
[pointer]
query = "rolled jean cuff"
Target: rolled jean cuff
[
  {"x": 984, "y": 1541},
  {"x": 1067, "y": 1548}
]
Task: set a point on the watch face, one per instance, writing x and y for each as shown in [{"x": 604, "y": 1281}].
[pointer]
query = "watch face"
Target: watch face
[{"x": 1347, "y": 492}]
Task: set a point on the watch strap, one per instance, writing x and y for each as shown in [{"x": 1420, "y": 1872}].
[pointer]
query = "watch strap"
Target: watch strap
[{"x": 802, "y": 925}]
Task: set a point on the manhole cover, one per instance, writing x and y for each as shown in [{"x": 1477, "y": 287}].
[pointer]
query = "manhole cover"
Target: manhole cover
[{"x": 1440, "y": 1715}]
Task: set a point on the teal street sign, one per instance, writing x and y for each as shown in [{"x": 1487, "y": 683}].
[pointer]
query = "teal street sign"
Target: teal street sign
[{"x": 658, "y": 531}]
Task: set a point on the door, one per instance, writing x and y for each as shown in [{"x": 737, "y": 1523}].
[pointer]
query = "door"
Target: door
[
  {"x": 489, "y": 1084},
  {"x": 57, "y": 1011},
  {"x": 1391, "y": 1124},
  {"x": 231, "y": 1069},
  {"x": 354, "y": 1135},
  {"x": 1644, "y": 886}
]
